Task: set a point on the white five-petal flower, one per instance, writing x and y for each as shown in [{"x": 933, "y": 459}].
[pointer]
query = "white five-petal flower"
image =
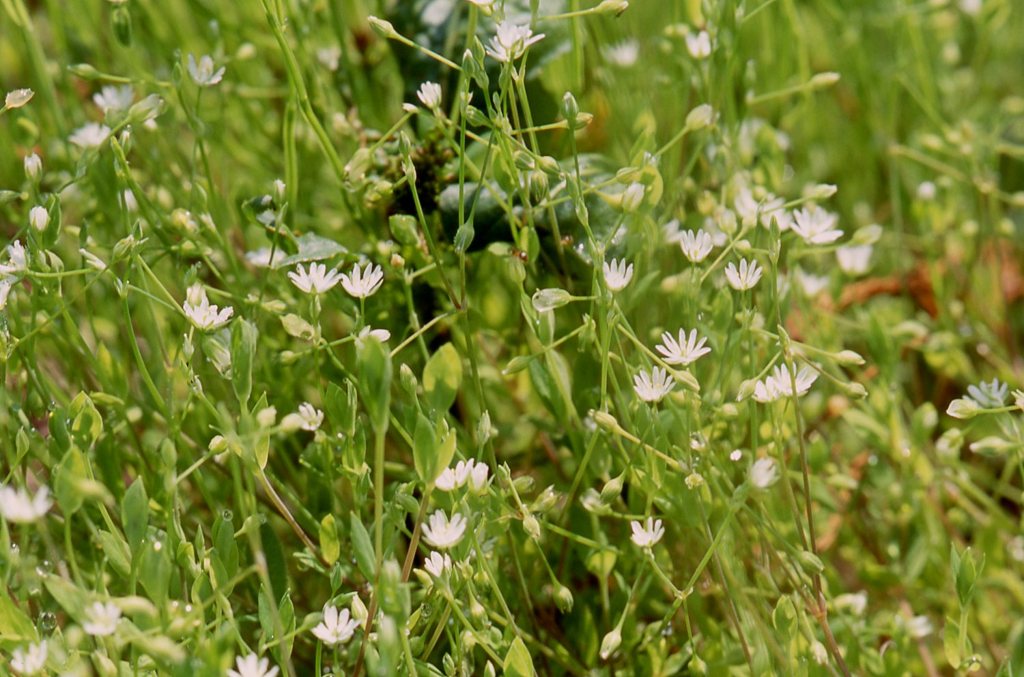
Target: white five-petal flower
[
  {"x": 698, "y": 44},
  {"x": 199, "y": 311},
  {"x": 337, "y": 627},
  {"x": 29, "y": 660},
  {"x": 653, "y": 386},
  {"x": 18, "y": 507},
  {"x": 437, "y": 564},
  {"x": 989, "y": 395},
  {"x": 90, "y": 135},
  {"x": 442, "y": 533},
  {"x": 114, "y": 99},
  {"x": 101, "y": 619},
  {"x": 312, "y": 418},
  {"x": 684, "y": 351},
  {"x": 253, "y": 666},
  {"x": 202, "y": 72},
  {"x": 695, "y": 246},
  {"x": 429, "y": 95},
  {"x": 764, "y": 473},
  {"x": 743, "y": 277},
  {"x": 317, "y": 280},
  {"x": 382, "y": 335},
  {"x": 816, "y": 225},
  {"x": 617, "y": 274},
  {"x": 363, "y": 282},
  {"x": 511, "y": 41},
  {"x": 780, "y": 383},
  {"x": 855, "y": 259},
  {"x": 648, "y": 534}
]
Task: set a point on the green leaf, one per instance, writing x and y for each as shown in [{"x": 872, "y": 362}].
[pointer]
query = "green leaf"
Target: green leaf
[
  {"x": 330, "y": 544},
  {"x": 243, "y": 351},
  {"x": 951, "y": 643},
  {"x": 15, "y": 625},
  {"x": 117, "y": 552},
  {"x": 87, "y": 424},
  {"x": 135, "y": 514},
  {"x": 312, "y": 247},
  {"x": 71, "y": 474},
  {"x": 70, "y": 598},
  {"x": 375, "y": 381},
  {"x": 362, "y": 547},
  {"x": 277, "y": 568},
  {"x": 298, "y": 327},
  {"x": 442, "y": 377},
  {"x": 517, "y": 661}
]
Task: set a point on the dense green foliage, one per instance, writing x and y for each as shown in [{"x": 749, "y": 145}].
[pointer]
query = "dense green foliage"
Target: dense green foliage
[{"x": 468, "y": 337}]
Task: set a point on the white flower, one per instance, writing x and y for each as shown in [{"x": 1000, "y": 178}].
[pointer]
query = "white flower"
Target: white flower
[
  {"x": 381, "y": 335},
  {"x": 16, "y": 98},
  {"x": 819, "y": 653},
  {"x": 751, "y": 211},
  {"x": 632, "y": 197},
  {"x": 317, "y": 280},
  {"x": 6, "y": 284},
  {"x": 926, "y": 191},
  {"x": 695, "y": 246},
  {"x": 311, "y": 417},
  {"x": 202, "y": 73},
  {"x": 39, "y": 217},
  {"x": 101, "y": 619},
  {"x": 854, "y": 260},
  {"x": 17, "y": 261},
  {"x": 855, "y": 602},
  {"x": 478, "y": 477},
  {"x": 918, "y": 627},
  {"x": 811, "y": 284},
  {"x": 113, "y": 99},
  {"x": 429, "y": 95},
  {"x": 736, "y": 455},
  {"x": 623, "y": 54},
  {"x": 33, "y": 166},
  {"x": 441, "y": 533},
  {"x": 336, "y": 627},
  {"x": 816, "y": 225},
  {"x": 363, "y": 283},
  {"x": 451, "y": 479},
  {"x": 654, "y": 386},
  {"x": 617, "y": 274},
  {"x": 437, "y": 564},
  {"x": 329, "y": 57},
  {"x": 253, "y": 666},
  {"x": 989, "y": 395},
  {"x": 199, "y": 311},
  {"x": 90, "y": 135},
  {"x": 511, "y": 41},
  {"x": 764, "y": 473},
  {"x": 684, "y": 351},
  {"x": 648, "y": 534},
  {"x": 29, "y": 660},
  {"x": 744, "y": 277},
  {"x": 698, "y": 45},
  {"x": 18, "y": 507},
  {"x": 780, "y": 384}
]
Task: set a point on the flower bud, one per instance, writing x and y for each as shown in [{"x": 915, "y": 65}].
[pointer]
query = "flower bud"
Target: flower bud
[
  {"x": 17, "y": 98},
  {"x": 632, "y": 197},
  {"x": 963, "y": 408},
  {"x": 826, "y": 79},
  {"x": 700, "y": 117},
  {"x": 33, "y": 167},
  {"x": 610, "y": 643},
  {"x": 39, "y": 218},
  {"x": 563, "y": 599},
  {"x": 383, "y": 28},
  {"x": 531, "y": 526},
  {"x": 549, "y": 299}
]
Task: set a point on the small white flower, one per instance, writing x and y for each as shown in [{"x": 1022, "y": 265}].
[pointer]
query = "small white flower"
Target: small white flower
[
  {"x": 816, "y": 225},
  {"x": 39, "y": 217},
  {"x": 684, "y": 351},
  {"x": 698, "y": 45},
  {"x": 253, "y": 666},
  {"x": 648, "y": 534},
  {"x": 203, "y": 315},
  {"x": 694, "y": 480},
  {"x": 437, "y": 564},
  {"x": 101, "y": 619},
  {"x": 632, "y": 197},
  {"x": 989, "y": 395},
  {"x": 695, "y": 246},
  {"x": 451, "y": 479},
  {"x": 18, "y": 507},
  {"x": 363, "y": 283},
  {"x": 6, "y": 285},
  {"x": 854, "y": 602},
  {"x": 511, "y": 41},
  {"x": 764, "y": 473},
  {"x": 653, "y": 386},
  {"x": 317, "y": 280},
  {"x": 442, "y": 533},
  {"x": 623, "y": 54},
  {"x": 33, "y": 166},
  {"x": 29, "y": 660},
  {"x": 736, "y": 455},
  {"x": 17, "y": 261},
  {"x": 478, "y": 477},
  {"x": 113, "y": 99},
  {"x": 918, "y": 627},
  {"x": 312, "y": 418},
  {"x": 381, "y": 335},
  {"x": 854, "y": 260},
  {"x": 926, "y": 191},
  {"x": 429, "y": 95},
  {"x": 329, "y": 57},
  {"x": 202, "y": 72},
  {"x": 617, "y": 274},
  {"x": 16, "y": 98},
  {"x": 337, "y": 627},
  {"x": 745, "y": 276},
  {"x": 811, "y": 284},
  {"x": 90, "y": 135}
]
